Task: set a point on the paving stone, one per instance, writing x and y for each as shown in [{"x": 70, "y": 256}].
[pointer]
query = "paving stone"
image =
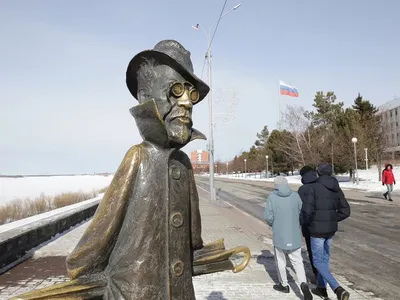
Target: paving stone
[{"x": 219, "y": 220}]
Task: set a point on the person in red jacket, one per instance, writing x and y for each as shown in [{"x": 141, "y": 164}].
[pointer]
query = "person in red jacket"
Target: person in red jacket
[{"x": 388, "y": 179}]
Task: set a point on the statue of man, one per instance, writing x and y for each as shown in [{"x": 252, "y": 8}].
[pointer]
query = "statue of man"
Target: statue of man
[
  {"x": 148, "y": 224},
  {"x": 144, "y": 242}
]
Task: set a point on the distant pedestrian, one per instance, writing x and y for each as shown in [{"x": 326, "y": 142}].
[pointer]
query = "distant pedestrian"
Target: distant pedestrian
[
  {"x": 388, "y": 179},
  {"x": 308, "y": 176},
  {"x": 322, "y": 209},
  {"x": 282, "y": 213}
]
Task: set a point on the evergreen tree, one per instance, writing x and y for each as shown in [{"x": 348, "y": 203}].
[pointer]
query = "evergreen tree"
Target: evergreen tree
[{"x": 262, "y": 137}]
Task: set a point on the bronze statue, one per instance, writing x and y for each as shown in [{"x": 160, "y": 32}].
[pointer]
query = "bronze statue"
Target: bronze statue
[{"x": 144, "y": 241}]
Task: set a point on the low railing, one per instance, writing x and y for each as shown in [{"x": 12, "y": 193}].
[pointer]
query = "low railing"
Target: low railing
[{"x": 19, "y": 237}]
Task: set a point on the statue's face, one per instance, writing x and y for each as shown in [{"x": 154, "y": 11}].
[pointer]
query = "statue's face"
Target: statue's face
[{"x": 175, "y": 98}]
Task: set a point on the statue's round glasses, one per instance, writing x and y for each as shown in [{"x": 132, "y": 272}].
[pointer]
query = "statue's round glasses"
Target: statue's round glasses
[{"x": 178, "y": 89}]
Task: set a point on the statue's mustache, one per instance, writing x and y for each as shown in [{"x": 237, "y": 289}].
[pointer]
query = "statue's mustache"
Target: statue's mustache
[{"x": 180, "y": 113}]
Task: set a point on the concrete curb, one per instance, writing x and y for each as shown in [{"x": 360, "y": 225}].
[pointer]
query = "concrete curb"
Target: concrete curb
[{"x": 15, "y": 243}]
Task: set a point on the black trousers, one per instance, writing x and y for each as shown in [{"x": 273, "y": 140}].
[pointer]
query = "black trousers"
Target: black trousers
[{"x": 308, "y": 243}]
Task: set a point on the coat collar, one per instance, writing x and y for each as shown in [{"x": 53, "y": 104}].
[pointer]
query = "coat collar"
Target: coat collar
[{"x": 152, "y": 126}]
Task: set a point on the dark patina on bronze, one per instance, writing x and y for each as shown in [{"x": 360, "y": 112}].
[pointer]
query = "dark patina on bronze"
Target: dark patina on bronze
[{"x": 144, "y": 241}]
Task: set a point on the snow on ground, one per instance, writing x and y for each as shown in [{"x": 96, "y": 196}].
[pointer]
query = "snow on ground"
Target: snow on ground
[
  {"x": 368, "y": 179},
  {"x": 32, "y": 187}
]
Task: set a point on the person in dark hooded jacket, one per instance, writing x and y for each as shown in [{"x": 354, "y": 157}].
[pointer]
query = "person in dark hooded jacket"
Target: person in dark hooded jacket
[
  {"x": 308, "y": 176},
  {"x": 325, "y": 205}
]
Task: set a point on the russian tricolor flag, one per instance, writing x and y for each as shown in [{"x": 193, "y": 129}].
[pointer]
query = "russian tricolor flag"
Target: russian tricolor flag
[{"x": 287, "y": 90}]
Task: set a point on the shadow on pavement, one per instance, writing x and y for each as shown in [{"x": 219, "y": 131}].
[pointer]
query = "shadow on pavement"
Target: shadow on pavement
[
  {"x": 379, "y": 197},
  {"x": 216, "y": 296},
  {"x": 267, "y": 259}
]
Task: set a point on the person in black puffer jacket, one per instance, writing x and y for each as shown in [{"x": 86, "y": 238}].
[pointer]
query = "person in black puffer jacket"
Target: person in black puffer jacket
[
  {"x": 308, "y": 176},
  {"x": 324, "y": 206}
]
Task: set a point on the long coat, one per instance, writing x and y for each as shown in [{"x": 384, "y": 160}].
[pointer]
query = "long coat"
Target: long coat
[{"x": 144, "y": 232}]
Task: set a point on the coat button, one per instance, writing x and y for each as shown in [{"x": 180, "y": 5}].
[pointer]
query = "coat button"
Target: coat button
[
  {"x": 177, "y": 268},
  {"x": 175, "y": 172},
  {"x": 177, "y": 220}
]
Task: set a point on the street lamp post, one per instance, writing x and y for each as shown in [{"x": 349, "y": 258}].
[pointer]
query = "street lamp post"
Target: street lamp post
[
  {"x": 210, "y": 110},
  {"x": 245, "y": 167},
  {"x": 366, "y": 158},
  {"x": 272, "y": 166},
  {"x": 266, "y": 158},
  {"x": 354, "y": 141}
]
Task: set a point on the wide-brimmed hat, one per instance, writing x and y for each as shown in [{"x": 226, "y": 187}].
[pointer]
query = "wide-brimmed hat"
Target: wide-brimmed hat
[{"x": 170, "y": 53}]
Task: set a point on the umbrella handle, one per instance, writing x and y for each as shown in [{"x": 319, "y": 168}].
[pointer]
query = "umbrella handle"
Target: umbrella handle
[{"x": 246, "y": 260}]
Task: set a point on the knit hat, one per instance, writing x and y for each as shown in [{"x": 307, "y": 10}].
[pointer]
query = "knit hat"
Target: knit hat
[
  {"x": 324, "y": 169},
  {"x": 305, "y": 170}
]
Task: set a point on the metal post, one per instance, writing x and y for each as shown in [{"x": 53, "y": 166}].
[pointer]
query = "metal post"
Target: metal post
[
  {"x": 272, "y": 166},
  {"x": 266, "y": 157},
  {"x": 354, "y": 140},
  {"x": 245, "y": 167},
  {"x": 366, "y": 158},
  {"x": 280, "y": 109},
  {"x": 227, "y": 169},
  {"x": 211, "y": 134},
  {"x": 210, "y": 110}
]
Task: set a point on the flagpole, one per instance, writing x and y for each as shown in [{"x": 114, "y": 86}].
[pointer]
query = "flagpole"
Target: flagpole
[
  {"x": 289, "y": 91},
  {"x": 280, "y": 105}
]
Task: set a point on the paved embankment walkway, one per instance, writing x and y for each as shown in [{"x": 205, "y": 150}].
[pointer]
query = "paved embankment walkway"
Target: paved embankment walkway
[
  {"x": 350, "y": 193},
  {"x": 219, "y": 220}
]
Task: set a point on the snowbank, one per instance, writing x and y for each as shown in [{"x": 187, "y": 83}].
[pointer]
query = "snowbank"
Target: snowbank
[
  {"x": 32, "y": 187},
  {"x": 368, "y": 179}
]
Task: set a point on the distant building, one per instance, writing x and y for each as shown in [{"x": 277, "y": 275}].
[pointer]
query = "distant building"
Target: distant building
[
  {"x": 199, "y": 160},
  {"x": 390, "y": 113}
]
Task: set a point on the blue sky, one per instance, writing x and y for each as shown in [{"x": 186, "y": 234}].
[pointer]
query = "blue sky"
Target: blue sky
[{"x": 64, "y": 102}]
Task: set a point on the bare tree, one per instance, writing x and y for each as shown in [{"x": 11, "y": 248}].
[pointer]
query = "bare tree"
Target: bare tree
[
  {"x": 224, "y": 106},
  {"x": 298, "y": 145}
]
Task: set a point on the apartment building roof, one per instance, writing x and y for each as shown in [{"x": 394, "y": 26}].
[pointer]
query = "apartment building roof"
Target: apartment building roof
[{"x": 389, "y": 105}]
